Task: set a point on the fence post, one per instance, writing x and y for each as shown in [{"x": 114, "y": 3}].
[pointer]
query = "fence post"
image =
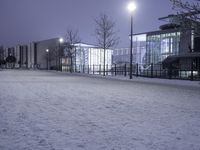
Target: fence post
[
  {"x": 115, "y": 69},
  {"x": 106, "y": 69},
  {"x": 192, "y": 69},
  {"x": 137, "y": 70},
  {"x": 170, "y": 71},
  {"x": 156, "y": 73},
  {"x": 160, "y": 70},
  {"x": 125, "y": 70},
  {"x": 93, "y": 68},
  {"x": 151, "y": 70},
  {"x": 100, "y": 69},
  {"x": 198, "y": 68}
]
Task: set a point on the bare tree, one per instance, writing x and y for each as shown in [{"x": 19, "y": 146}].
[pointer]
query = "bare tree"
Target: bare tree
[
  {"x": 105, "y": 34},
  {"x": 188, "y": 13},
  {"x": 1, "y": 53},
  {"x": 2, "y": 61},
  {"x": 71, "y": 38},
  {"x": 52, "y": 55}
]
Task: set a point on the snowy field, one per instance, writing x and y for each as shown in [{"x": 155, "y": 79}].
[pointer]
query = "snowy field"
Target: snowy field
[{"x": 55, "y": 111}]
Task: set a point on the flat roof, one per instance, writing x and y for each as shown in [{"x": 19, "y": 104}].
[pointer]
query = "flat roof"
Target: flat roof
[{"x": 157, "y": 32}]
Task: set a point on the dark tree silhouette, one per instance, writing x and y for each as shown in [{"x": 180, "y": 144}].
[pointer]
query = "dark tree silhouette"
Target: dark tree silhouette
[
  {"x": 71, "y": 38},
  {"x": 188, "y": 13},
  {"x": 10, "y": 59},
  {"x": 105, "y": 34},
  {"x": 1, "y": 53},
  {"x": 2, "y": 62}
]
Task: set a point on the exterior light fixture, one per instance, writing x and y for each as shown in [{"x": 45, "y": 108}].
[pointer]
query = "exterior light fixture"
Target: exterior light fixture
[
  {"x": 131, "y": 7},
  {"x": 61, "y": 40}
]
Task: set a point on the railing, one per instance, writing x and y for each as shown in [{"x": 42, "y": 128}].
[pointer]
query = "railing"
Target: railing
[{"x": 150, "y": 71}]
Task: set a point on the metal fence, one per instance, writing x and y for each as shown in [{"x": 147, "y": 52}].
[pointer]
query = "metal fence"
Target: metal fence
[{"x": 150, "y": 71}]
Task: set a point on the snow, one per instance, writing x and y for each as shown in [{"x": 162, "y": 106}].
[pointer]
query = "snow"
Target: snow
[
  {"x": 160, "y": 81},
  {"x": 56, "y": 111}
]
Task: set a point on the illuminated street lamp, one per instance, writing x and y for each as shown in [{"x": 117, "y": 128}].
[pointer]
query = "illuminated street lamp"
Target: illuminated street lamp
[
  {"x": 47, "y": 51},
  {"x": 131, "y": 7},
  {"x": 61, "y": 40}
]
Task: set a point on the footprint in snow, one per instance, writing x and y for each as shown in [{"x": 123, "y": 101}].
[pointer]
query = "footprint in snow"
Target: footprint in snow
[
  {"x": 81, "y": 146},
  {"x": 42, "y": 142}
]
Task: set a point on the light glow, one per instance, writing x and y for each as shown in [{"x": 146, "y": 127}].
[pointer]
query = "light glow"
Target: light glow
[
  {"x": 47, "y": 50},
  {"x": 61, "y": 40},
  {"x": 131, "y": 6}
]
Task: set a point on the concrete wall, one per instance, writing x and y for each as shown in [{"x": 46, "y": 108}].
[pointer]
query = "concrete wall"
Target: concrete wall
[
  {"x": 33, "y": 55},
  {"x": 41, "y": 46},
  {"x": 185, "y": 42},
  {"x": 17, "y": 56}
]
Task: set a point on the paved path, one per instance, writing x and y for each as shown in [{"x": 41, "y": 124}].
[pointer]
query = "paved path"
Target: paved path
[{"x": 54, "y": 111}]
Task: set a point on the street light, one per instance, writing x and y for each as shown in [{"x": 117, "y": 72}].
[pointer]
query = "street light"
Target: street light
[
  {"x": 47, "y": 50},
  {"x": 131, "y": 7},
  {"x": 61, "y": 40}
]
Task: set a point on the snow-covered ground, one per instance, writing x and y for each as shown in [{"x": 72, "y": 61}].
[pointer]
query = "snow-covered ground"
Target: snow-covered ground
[{"x": 55, "y": 111}]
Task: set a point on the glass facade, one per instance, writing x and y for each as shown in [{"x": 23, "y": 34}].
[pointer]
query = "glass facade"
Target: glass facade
[
  {"x": 89, "y": 55},
  {"x": 139, "y": 48},
  {"x": 121, "y": 55},
  {"x": 160, "y": 46},
  {"x": 86, "y": 56},
  {"x": 92, "y": 56},
  {"x": 153, "y": 47}
]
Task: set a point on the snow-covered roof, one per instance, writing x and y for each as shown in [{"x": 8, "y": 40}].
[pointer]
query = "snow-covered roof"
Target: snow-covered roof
[{"x": 85, "y": 45}]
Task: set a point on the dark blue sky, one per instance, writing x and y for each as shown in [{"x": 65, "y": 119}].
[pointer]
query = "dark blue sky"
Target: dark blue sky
[{"x": 22, "y": 21}]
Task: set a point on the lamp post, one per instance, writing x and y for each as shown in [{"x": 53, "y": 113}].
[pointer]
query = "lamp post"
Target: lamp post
[
  {"x": 61, "y": 40},
  {"x": 131, "y": 8},
  {"x": 47, "y": 50}
]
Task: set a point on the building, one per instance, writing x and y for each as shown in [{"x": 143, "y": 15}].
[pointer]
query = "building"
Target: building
[
  {"x": 171, "y": 47},
  {"x": 86, "y": 57},
  {"x": 34, "y": 55},
  {"x": 122, "y": 55},
  {"x": 51, "y": 54}
]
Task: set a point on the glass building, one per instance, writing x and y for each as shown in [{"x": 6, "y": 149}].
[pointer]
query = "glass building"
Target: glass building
[
  {"x": 160, "y": 45},
  {"x": 139, "y": 48},
  {"x": 88, "y": 57},
  {"x": 154, "y": 47},
  {"x": 150, "y": 47},
  {"x": 91, "y": 55}
]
